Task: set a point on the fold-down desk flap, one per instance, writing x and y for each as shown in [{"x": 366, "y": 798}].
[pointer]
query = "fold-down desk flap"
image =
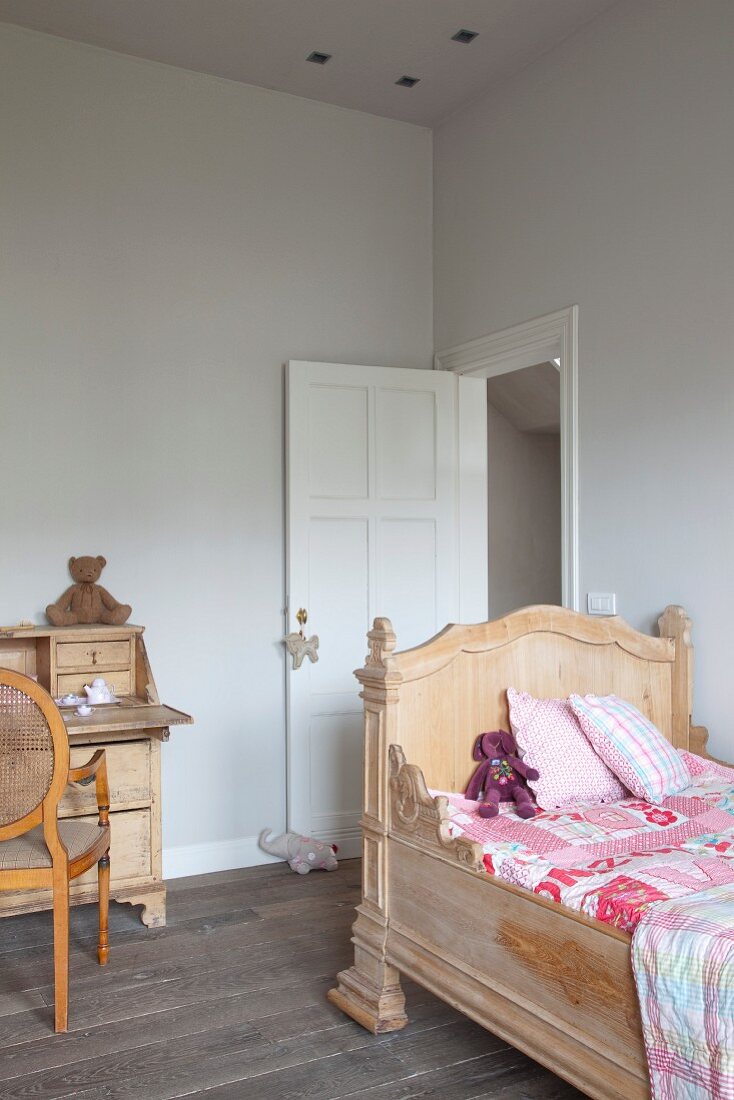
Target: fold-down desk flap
[{"x": 149, "y": 718}]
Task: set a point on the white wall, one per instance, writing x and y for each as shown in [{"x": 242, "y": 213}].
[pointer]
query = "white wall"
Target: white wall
[
  {"x": 603, "y": 175},
  {"x": 168, "y": 240},
  {"x": 524, "y": 516}
]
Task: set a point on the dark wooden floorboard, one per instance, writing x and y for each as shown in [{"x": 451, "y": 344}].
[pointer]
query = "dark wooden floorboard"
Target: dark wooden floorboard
[{"x": 228, "y": 1002}]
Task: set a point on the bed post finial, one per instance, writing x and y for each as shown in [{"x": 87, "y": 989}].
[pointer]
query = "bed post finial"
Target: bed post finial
[
  {"x": 382, "y": 642},
  {"x": 674, "y": 623}
]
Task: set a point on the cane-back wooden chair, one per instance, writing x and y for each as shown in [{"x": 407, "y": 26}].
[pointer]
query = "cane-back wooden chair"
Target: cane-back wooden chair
[{"x": 36, "y": 849}]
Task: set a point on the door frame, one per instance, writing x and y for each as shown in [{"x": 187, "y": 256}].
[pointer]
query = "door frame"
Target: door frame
[{"x": 553, "y": 336}]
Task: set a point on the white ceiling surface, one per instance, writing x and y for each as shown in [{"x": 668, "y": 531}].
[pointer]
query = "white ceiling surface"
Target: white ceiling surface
[{"x": 373, "y": 43}]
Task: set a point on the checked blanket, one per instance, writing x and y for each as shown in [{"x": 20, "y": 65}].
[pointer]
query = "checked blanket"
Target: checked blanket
[{"x": 683, "y": 961}]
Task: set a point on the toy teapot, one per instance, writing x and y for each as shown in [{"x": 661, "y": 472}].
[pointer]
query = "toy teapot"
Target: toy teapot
[{"x": 99, "y": 692}]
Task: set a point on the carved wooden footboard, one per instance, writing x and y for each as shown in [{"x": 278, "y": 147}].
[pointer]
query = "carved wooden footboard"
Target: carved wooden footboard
[
  {"x": 421, "y": 820},
  {"x": 552, "y": 982}
]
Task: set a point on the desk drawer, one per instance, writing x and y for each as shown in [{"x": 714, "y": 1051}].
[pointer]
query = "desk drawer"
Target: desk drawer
[
  {"x": 129, "y": 848},
  {"x": 128, "y": 772},
  {"x": 120, "y": 681},
  {"x": 94, "y": 654}
]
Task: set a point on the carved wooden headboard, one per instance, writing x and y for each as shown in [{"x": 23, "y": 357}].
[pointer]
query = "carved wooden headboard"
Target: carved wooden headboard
[{"x": 433, "y": 700}]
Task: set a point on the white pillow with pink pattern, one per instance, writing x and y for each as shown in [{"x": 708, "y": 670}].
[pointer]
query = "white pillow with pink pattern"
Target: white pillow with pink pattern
[
  {"x": 632, "y": 746},
  {"x": 551, "y": 740}
]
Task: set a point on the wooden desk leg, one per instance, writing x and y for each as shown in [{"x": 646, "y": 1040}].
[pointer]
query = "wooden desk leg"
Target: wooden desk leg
[{"x": 153, "y": 900}]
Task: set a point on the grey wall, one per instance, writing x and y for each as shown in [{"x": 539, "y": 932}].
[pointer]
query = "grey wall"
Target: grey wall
[
  {"x": 168, "y": 240},
  {"x": 603, "y": 175},
  {"x": 524, "y": 516}
]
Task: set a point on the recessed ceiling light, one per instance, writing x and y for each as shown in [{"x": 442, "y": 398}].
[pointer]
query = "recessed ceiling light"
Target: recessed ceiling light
[
  {"x": 407, "y": 81},
  {"x": 464, "y": 36},
  {"x": 319, "y": 58}
]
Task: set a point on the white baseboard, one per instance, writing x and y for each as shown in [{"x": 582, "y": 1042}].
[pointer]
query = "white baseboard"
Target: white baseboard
[
  {"x": 341, "y": 829},
  {"x": 227, "y": 855},
  {"x": 349, "y": 847},
  {"x": 216, "y": 855}
]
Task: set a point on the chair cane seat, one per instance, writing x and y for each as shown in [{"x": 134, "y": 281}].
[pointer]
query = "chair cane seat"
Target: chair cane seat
[{"x": 29, "y": 850}]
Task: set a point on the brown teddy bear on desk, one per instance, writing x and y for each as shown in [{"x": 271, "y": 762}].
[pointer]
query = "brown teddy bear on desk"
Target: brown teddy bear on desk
[{"x": 86, "y": 601}]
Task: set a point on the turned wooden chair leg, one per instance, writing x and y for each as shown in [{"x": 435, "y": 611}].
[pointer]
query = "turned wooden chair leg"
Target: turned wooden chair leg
[
  {"x": 103, "y": 875},
  {"x": 61, "y": 952}
]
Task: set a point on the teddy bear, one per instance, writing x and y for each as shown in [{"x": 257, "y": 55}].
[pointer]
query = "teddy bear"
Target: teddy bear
[
  {"x": 86, "y": 601},
  {"x": 501, "y": 775}
]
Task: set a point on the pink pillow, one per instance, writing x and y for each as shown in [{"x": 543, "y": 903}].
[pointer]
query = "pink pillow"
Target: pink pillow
[
  {"x": 632, "y": 746},
  {"x": 551, "y": 740}
]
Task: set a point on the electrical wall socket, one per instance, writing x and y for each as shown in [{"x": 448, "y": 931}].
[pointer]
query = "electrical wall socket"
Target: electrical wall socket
[{"x": 601, "y": 603}]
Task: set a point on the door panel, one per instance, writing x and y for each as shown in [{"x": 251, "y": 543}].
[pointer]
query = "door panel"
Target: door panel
[
  {"x": 406, "y": 444},
  {"x": 408, "y": 577},
  {"x": 374, "y": 528},
  {"x": 337, "y": 451},
  {"x": 338, "y": 595},
  {"x": 336, "y": 785}
]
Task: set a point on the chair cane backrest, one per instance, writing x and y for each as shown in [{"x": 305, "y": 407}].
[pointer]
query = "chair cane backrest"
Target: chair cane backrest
[{"x": 34, "y": 754}]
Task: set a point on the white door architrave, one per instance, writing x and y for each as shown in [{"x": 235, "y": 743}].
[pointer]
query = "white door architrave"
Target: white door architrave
[{"x": 544, "y": 339}]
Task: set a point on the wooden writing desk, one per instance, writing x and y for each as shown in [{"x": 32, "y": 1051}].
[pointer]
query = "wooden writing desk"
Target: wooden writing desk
[{"x": 64, "y": 659}]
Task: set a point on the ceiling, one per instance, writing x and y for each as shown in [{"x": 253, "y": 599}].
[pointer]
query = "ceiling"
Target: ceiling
[
  {"x": 529, "y": 398},
  {"x": 372, "y": 42}
]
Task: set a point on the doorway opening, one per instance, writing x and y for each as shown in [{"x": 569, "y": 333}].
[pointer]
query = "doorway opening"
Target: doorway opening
[
  {"x": 537, "y": 346},
  {"x": 524, "y": 488}
]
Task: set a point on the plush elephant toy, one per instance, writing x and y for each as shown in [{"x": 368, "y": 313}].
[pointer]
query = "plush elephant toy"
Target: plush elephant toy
[
  {"x": 302, "y": 852},
  {"x": 501, "y": 775}
]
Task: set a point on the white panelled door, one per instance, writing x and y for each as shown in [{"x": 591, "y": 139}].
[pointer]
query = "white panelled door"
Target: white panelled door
[{"x": 386, "y": 497}]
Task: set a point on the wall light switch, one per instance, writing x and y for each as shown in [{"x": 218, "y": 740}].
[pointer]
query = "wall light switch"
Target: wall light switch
[{"x": 601, "y": 603}]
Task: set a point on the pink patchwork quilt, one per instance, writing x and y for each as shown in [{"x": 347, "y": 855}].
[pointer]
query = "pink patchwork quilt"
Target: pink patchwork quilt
[
  {"x": 612, "y": 861},
  {"x": 663, "y": 872}
]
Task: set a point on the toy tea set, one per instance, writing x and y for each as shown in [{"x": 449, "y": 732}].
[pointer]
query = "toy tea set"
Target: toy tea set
[{"x": 97, "y": 693}]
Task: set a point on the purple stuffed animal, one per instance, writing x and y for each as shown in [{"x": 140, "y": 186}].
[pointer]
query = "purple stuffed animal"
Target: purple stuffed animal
[{"x": 501, "y": 775}]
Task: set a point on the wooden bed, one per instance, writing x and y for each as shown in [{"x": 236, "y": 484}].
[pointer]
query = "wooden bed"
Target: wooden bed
[{"x": 429, "y": 910}]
